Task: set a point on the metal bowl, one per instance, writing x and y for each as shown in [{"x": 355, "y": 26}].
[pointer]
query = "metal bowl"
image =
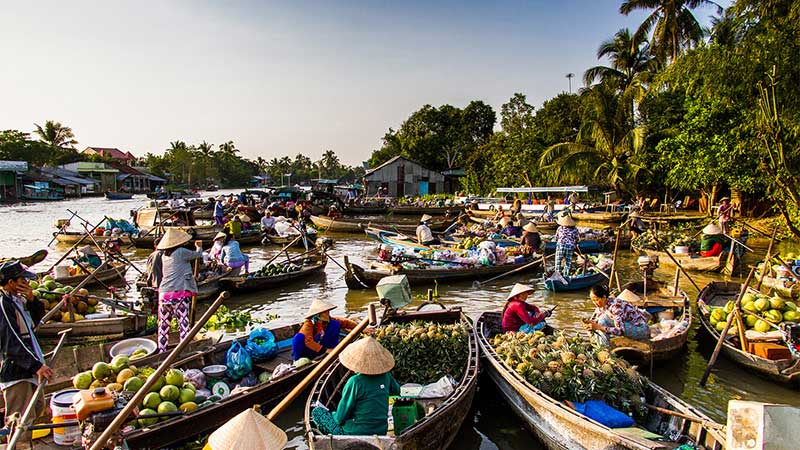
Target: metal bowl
[
  {"x": 128, "y": 346},
  {"x": 215, "y": 371}
]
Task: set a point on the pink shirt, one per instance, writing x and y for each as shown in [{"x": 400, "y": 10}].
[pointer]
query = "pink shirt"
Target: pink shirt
[{"x": 518, "y": 313}]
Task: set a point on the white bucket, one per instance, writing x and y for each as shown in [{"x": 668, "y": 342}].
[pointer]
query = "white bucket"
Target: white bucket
[
  {"x": 667, "y": 314},
  {"x": 62, "y": 411},
  {"x": 61, "y": 272},
  {"x": 681, "y": 250}
]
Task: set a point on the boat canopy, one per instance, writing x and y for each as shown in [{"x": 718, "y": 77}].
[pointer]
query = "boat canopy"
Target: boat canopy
[{"x": 540, "y": 190}]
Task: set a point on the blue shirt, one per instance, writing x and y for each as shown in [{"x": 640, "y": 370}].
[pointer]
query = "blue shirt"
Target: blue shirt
[
  {"x": 231, "y": 253},
  {"x": 219, "y": 209}
]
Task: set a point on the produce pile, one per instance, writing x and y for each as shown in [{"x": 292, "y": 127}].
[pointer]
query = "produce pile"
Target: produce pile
[
  {"x": 468, "y": 243},
  {"x": 778, "y": 270},
  {"x": 598, "y": 261},
  {"x": 670, "y": 239},
  {"x": 424, "y": 352},
  {"x": 759, "y": 309},
  {"x": 572, "y": 369},
  {"x": 225, "y": 319},
  {"x": 275, "y": 269},
  {"x": 82, "y": 305}
]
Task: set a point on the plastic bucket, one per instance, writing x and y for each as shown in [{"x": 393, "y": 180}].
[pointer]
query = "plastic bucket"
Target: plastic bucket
[
  {"x": 681, "y": 250},
  {"x": 61, "y": 272},
  {"x": 62, "y": 411}
]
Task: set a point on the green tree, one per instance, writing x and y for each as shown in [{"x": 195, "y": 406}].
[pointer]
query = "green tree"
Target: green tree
[
  {"x": 630, "y": 61},
  {"x": 16, "y": 145}
]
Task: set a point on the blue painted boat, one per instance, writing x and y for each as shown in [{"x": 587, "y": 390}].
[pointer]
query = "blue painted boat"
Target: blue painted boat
[
  {"x": 585, "y": 246},
  {"x": 575, "y": 284},
  {"x": 118, "y": 195}
]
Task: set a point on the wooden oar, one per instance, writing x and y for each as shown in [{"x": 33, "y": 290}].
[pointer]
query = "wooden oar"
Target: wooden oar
[
  {"x": 614, "y": 258},
  {"x": 134, "y": 402},
  {"x": 724, "y": 332},
  {"x": 289, "y": 398},
  {"x": 767, "y": 258},
  {"x": 194, "y": 296},
  {"x": 476, "y": 284},
  {"x": 283, "y": 250},
  {"x": 658, "y": 243},
  {"x": 22, "y": 424},
  {"x": 74, "y": 246}
]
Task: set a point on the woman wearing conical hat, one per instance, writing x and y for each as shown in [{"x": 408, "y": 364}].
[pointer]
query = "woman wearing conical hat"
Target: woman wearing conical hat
[
  {"x": 319, "y": 332},
  {"x": 636, "y": 224},
  {"x": 725, "y": 210},
  {"x": 566, "y": 240},
  {"x": 713, "y": 241},
  {"x": 364, "y": 406},
  {"x": 424, "y": 233},
  {"x": 531, "y": 240},
  {"x": 617, "y": 316},
  {"x": 519, "y": 315},
  {"x": 88, "y": 256}
]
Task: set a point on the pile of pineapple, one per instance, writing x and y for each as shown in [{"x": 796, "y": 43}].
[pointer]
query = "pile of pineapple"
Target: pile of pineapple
[
  {"x": 424, "y": 352},
  {"x": 572, "y": 368}
]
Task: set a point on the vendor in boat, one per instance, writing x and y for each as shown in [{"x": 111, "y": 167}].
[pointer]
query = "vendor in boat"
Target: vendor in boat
[
  {"x": 508, "y": 228},
  {"x": 215, "y": 252},
  {"x": 521, "y": 220},
  {"x": 246, "y": 220},
  {"x": 516, "y": 207},
  {"x": 531, "y": 240},
  {"x": 519, "y": 315},
  {"x": 573, "y": 201},
  {"x": 88, "y": 257},
  {"x": 268, "y": 223},
  {"x": 22, "y": 364},
  {"x": 424, "y": 233},
  {"x": 713, "y": 241},
  {"x": 549, "y": 209},
  {"x": 364, "y": 406},
  {"x": 219, "y": 210},
  {"x": 617, "y": 316},
  {"x": 319, "y": 332},
  {"x": 566, "y": 240},
  {"x": 725, "y": 211},
  {"x": 636, "y": 224},
  {"x": 232, "y": 256},
  {"x": 499, "y": 214},
  {"x": 234, "y": 227},
  {"x": 177, "y": 284},
  {"x": 333, "y": 212}
]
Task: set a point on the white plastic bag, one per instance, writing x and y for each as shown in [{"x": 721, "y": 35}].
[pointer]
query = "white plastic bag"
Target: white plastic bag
[{"x": 442, "y": 388}]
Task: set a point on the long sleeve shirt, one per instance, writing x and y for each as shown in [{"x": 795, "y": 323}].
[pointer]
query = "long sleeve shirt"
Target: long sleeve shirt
[
  {"x": 20, "y": 353},
  {"x": 310, "y": 330},
  {"x": 519, "y": 313},
  {"x": 232, "y": 253},
  {"x": 567, "y": 236},
  {"x": 621, "y": 312},
  {"x": 177, "y": 271},
  {"x": 364, "y": 407},
  {"x": 219, "y": 209}
]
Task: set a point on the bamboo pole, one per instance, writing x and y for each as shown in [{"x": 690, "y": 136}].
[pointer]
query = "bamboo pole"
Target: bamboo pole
[
  {"x": 56, "y": 308},
  {"x": 614, "y": 260},
  {"x": 134, "y": 402},
  {"x": 74, "y": 246},
  {"x": 658, "y": 243},
  {"x": 767, "y": 258}
]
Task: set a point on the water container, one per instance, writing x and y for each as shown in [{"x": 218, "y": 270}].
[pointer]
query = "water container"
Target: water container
[
  {"x": 62, "y": 411},
  {"x": 406, "y": 412},
  {"x": 61, "y": 272},
  {"x": 92, "y": 401}
]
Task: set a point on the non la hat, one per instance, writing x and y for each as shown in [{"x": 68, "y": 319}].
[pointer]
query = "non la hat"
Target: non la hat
[
  {"x": 317, "y": 307},
  {"x": 425, "y": 218},
  {"x": 530, "y": 228},
  {"x": 173, "y": 238},
  {"x": 519, "y": 288},
  {"x": 248, "y": 430},
  {"x": 220, "y": 235},
  {"x": 712, "y": 229},
  {"x": 628, "y": 296},
  {"x": 367, "y": 356},
  {"x": 87, "y": 250},
  {"x": 505, "y": 221},
  {"x": 566, "y": 220}
]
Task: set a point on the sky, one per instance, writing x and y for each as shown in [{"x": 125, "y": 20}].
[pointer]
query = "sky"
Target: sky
[{"x": 282, "y": 78}]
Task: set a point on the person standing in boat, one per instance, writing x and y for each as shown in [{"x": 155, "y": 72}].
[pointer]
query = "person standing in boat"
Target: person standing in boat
[
  {"x": 636, "y": 224},
  {"x": 531, "y": 240},
  {"x": 219, "y": 211},
  {"x": 22, "y": 364},
  {"x": 566, "y": 240},
  {"x": 234, "y": 226},
  {"x": 617, "y": 316},
  {"x": 519, "y": 315},
  {"x": 364, "y": 406},
  {"x": 424, "y": 233},
  {"x": 549, "y": 209},
  {"x": 573, "y": 201},
  {"x": 713, "y": 242},
  {"x": 177, "y": 285},
  {"x": 725, "y": 210},
  {"x": 319, "y": 332},
  {"x": 521, "y": 220}
]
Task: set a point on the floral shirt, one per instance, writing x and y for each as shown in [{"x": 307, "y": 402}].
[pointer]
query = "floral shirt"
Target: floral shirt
[
  {"x": 567, "y": 236},
  {"x": 622, "y": 312}
]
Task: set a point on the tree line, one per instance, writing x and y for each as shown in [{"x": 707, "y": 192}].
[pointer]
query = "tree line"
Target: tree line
[{"x": 678, "y": 109}]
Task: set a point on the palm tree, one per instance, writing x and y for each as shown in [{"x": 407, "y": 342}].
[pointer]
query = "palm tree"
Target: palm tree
[
  {"x": 673, "y": 24},
  {"x": 228, "y": 148},
  {"x": 630, "y": 60},
  {"x": 606, "y": 142},
  {"x": 56, "y": 135},
  {"x": 205, "y": 152}
]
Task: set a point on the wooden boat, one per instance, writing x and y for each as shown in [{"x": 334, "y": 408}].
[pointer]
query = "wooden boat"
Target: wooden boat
[
  {"x": 122, "y": 326},
  {"x": 105, "y": 275},
  {"x": 203, "y": 214},
  {"x": 576, "y": 283},
  {"x": 283, "y": 241},
  {"x": 694, "y": 263},
  {"x": 420, "y": 210},
  {"x": 207, "y": 288},
  {"x": 118, "y": 195},
  {"x": 544, "y": 227},
  {"x": 656, "y": 296},
  {"x": 718, "y": 293},
  {"x": 344, "y": 225},
  {"x": 599, "y": 217},
  {"x": 435, "y": 431},
  {"x": 396, "y": 239},
  {"x": 585, "y": 246},
  {"x": 559, "y": 427},
  {"x": 29, "y": 260},
  {"x": 206, "y": 234},
  {"x": 72, "y": 237},
  {"x": 310, "y": 266},
  {"x": 357, "y": 277},
  {"x": 365, "y": 210}
]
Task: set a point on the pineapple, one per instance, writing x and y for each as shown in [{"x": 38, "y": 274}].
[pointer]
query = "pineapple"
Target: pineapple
[{"x": 603, "y": 356}]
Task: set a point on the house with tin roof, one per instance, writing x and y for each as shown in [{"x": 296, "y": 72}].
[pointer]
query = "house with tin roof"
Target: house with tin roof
[{"x": 113, "y": 153}]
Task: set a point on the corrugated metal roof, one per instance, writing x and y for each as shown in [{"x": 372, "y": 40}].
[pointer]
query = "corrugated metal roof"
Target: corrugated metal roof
[{"x": 13, "y": 166}]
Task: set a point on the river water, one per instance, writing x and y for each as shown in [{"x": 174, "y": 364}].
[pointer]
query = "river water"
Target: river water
[{"x": 25, "y": 228}]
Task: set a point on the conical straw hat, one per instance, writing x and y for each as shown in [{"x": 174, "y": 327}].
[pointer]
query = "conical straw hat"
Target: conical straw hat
[
  {"x": 367, "y": 356},
  {"x": 248, "y": 430},
  {"x": 220, "y": 235},
  {"x": 87, "y": 250},
  {"x": 530, "y": 228},
  {"x": 566, "y": 220},
  {"x": 629, "y": 296},
  {"x": 505, "y": 221},
  {"x": 519, "y": 288},
  {"x": 173, "y": 238},
  {"x": 425, "y": 218},
  {"x": 318, "y": 306},
  {"x": 712, "y": 229}
]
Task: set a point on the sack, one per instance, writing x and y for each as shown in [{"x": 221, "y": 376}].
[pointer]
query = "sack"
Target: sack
[
  {"x": 238, "y": 362},
  {"x": 600, "y": 411},
  {"x": 261, "y": 345},
  {"x": 442, "y": 388}
]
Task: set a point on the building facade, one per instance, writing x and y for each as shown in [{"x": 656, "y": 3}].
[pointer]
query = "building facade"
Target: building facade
[{"x": 401, "y": 176}]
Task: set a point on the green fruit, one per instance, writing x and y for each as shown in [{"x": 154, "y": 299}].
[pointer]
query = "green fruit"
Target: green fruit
[
  {"x": 188, "y": 385},
  {"x": 761, "y": 326},
  {"x": 187, "y": 395},
  {"x": 33, "y": 285},
  {"x": 718, "y": 314},
  {"x": 47, "y": 278},
  {"x": 170, "y": 393},
  {"x": 749, "y": 306},
  {"x": 729, "y": 306},
  {"x": 748, "y": 297},
  {"x": 166, "y": 407},
  {"x": 50, "y": 285},
  {"x": 774, "y": 316},
  {"x": 152, "y": 400},
  {"x": 133, "y": 384},
  {"x": 791, "y": 316},
  {"x": 776, "y": 303},
  {"x": 101, "y": 370},
  {"x": 158, "y": 385},
  {"x": 120, "y": 362},
  {"x": 302, "y": 362},
  {"x": 790, "y": 306},
  {"x": 720, "y": 326},
  {"x": 188, "y": 407},
  {"x": 174, "y": 377},
  {"x": 750, "y": 321},
  {"x": 147, "y": 422},
  {"x": 762, "y": 304},
  {"x": 82, "y": 380}
]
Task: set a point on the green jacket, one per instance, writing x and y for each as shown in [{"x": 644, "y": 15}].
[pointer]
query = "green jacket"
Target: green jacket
[
  {"x": 708, "y": 241},
  {"x": 364, "y": 407}
]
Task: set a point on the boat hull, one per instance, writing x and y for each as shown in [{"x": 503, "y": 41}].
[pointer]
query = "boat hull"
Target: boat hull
[
  {"x": 575, "y": 284},
  {"x": 691, "y": 263}
]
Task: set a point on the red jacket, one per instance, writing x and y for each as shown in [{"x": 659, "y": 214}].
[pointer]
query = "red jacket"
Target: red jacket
[{"x": 518, "y": 313}]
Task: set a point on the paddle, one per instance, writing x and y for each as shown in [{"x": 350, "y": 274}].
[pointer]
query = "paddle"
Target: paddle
[
  {"x": 300, "y": 387},
  {"x": 767, "y": 258},
  {"x": 614, "y": 258},
  {"x": 22, "y": 427},
  {"x": 658, "y": 243},
  {"x": 476, "y": 284},
  {"x": 134, "y": 402},
  {"x": 724, "y": 332}
]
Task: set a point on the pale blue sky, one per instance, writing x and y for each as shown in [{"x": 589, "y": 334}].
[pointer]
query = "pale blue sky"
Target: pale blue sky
[{"x": 281, "y": 78}]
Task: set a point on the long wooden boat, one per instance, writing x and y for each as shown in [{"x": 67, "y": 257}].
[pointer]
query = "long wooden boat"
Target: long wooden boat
[
  {"x": 203, "y": 214},
  {"x": 575, "y": 283},
  {"x": 111, "y": 328},
  {"x": 345, "y": 225},
  {"x": 365, "y": 210},
  {"x": 599, "y": 217},
  {"x": 694, "y": 263},
  {"x": 420, "y": 210},
  {"x": 118, "y": 195},
  {"x": 357, "y": 277},
  {"x": 543, "y": 226},
  {"x": 72, "y": 238},
  {"x": 310, "y": 266},
  {"x": 108, "y": 274},
  {"x": 206, "y": 234},
  {"x": 717, "y": 294},
  {"x": 562, "y": 428},
  {"x": 435, "y": 431},
  {"x": 396, "y": 239},
  {"x": 35, "y": 258},
  {"x": 207, "y": 288},
  {"x": 283, "y": 241},
  {"x": 656, "y": 296}
]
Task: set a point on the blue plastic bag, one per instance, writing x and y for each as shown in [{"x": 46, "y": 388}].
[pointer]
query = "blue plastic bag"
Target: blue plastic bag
[
  {"x": 265, "y": 350},
  {"x": 600, "y": 411},
  {"x": 238, "y": 362}
]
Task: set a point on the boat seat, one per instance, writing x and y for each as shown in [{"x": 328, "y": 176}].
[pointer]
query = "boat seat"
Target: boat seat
[{"x": 646, "y": 438}]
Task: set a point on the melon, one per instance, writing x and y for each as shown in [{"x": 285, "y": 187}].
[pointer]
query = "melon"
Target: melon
[
  {"x": 749, "y": 306},
  {"x": 790, "y": 306},
  {"x": 82, "y": 380},
  {"x": 170, "y": 393},
  {"x": 165, "y": 407},
  {"x": 101, "y": 370},
  {"x": 133, "y": 384},
  {"x": 187, "y": 395},
  {"x": 158, "y": 384},
  {"x": 748, "y": 297},
  {"x": 729, "y": 306},
  {"x": 174, "y": 377},
  {"x": 774, "y": 316},
  {"x": 750, "y": 321},
  {"x": 776, "y": 303},
  {"x": 762, "y": 304},
  {"x": 124, "y": 375},
  {"x": 761, "y": 326},
  {"x": 720, "y": 326},
  {"x": 147, "y": 422},
  {"x": 120, "y": 362},
  {"x": 791, "y": 316},
  {"x": 152, "y": 400},
  {"x": 188, "y": 407}
]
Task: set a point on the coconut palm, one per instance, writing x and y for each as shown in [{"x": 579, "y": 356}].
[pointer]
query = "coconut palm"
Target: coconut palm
[
  {"x": 56, "y": 135},
  {"x": 672, "y": 22},
  {"x": 630, "y": 59},
  {"x": 607, "y": 144},
  {"x": 228, "y": 149},
  {"x": 205, "y": 153}
]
